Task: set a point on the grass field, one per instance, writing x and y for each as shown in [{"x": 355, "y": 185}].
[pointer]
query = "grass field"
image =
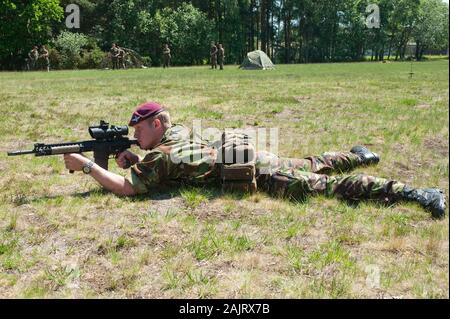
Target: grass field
[{"x": 61, "y": 236}]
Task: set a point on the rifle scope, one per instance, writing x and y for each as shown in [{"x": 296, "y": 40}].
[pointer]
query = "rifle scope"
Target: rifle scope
[{"x": 104, "y": 131}]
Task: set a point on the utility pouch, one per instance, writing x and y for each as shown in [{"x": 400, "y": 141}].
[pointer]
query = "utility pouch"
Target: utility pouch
[
  {"x": 237, "y": 162},
  {"x": 239, "y": 177}
]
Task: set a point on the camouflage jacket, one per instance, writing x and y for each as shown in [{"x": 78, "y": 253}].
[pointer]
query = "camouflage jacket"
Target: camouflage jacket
[
  {"x": 114, "y": 52},
  {"x": 221, "y": 53},
  {"x": 178, "y": 159},
  {"x": 166, "y": 52},
  {"x": 121, "y": 53},
  {"x": 33, "y": 54},
  {"x": 213, "y": 50}
]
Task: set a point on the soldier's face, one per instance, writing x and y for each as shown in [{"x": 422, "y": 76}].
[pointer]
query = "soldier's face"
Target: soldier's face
[{"x": 148, "y": 133}]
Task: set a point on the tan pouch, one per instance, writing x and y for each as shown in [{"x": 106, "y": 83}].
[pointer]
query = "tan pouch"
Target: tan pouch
[
  {"x": 239, "y": 177},
  {"x": 244, "y": 187}
]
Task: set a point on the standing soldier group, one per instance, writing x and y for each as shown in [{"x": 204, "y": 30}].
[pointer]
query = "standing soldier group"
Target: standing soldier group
[
  {"x": 33, "y": 57},
  {"x": 117, "y": 57},
  {"x": 217, "y": 54}
]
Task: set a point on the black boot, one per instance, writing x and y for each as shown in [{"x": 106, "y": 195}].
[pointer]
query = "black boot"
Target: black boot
[
  {"x": 367, "y": 157},
  {"x": 432, "y": 199}
]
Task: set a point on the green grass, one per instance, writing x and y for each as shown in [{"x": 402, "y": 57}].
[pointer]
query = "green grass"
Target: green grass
[
  {"x": 194, "y": 197},
  {"x": 61, "y": 236}
]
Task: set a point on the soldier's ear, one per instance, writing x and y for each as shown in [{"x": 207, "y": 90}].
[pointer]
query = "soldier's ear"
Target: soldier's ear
[{"x": 156, "y": 123}]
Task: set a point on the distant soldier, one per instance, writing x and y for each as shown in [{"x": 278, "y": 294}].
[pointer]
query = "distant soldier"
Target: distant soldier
[
  {"x": 114, "y": 52},
  {"x": 166, "y": 56},
  {"x": 213, "y": 53},
  {"x": 221, "y": 55},
  {"x": 121, "y": 57},
  {"x": 33, "y": 56},
  {"x": 44, "y": 56}
]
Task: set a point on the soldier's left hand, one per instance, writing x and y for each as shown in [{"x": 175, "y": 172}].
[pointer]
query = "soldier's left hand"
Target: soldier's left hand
[{"x": 75, "y": 162}]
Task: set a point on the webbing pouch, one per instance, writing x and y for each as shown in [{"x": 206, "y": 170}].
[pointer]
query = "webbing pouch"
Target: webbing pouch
[{"x": 239, "y": 177}]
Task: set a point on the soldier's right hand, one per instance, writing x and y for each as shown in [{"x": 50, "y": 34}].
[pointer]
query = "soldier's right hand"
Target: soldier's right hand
[{"x": 126, "y": 159}]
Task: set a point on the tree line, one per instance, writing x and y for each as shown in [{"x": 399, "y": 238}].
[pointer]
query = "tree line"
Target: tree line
[{"x": 289, "y": 31}]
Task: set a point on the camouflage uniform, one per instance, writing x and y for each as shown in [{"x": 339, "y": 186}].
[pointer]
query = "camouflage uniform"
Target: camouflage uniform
[
  {"x": 121, "y": 58},
  {"x": 114, "y": 57},
  {"x": 213, "y": 54},
  {"x": 166, "y": 57},
  {"x": 291, "y": 178},
  {"x": 298, "y": 178},
  {"x": 33, "y": 56},
  {"x": 194, "y": 167},
  {"x": 220, "y": 56},
  {"x": 44, "y": 56}
]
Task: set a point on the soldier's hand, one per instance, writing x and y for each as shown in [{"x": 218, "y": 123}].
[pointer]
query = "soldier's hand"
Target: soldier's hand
[
  {"x": 126, "y": 159},
  {"x": 75, "y": 162}
]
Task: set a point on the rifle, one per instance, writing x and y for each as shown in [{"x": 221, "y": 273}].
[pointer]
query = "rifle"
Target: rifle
[{"x": 107, "y": 140}]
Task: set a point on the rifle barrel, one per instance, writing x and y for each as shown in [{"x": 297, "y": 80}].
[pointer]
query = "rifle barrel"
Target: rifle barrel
[{"x": 15, "y": 153}]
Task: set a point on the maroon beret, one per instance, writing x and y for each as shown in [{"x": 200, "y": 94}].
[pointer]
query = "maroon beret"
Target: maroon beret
[{"x": 145, "y": 111}]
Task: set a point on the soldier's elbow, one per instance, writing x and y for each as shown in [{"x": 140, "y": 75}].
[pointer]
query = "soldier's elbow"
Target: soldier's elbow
[
  {"x": 124, "y": 189},
  {"x": 128, "y": 193},
  {"x": 128, "y": 189},
  {"x": 124, "y": 192}
]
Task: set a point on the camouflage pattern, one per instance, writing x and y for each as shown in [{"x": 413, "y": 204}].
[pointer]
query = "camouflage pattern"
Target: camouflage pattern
[
  {"x": 220, "y": 56},
  {"x": 213, "y": 53},
  {"x": 195, "y": 164},
  {"x": 299, "y": 178},
  {"x": 33, "y": 56},
  {"x": 166, "y": 57},
  {"x": 121, "y": 58},
  {"x": 114, "y": 57},
  {"x": 178, "y": 159},
  {"x": 44, "y": 56}
]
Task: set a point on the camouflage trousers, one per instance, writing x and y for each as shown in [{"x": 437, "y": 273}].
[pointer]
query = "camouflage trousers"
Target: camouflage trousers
[
  {"x": 115, "y": 63},
  {"x": 121, "y": 62},
  {"x": 31, "y": 64},
  {"x": 299, "y": 178},
  {"x": 166, "y": 63}
]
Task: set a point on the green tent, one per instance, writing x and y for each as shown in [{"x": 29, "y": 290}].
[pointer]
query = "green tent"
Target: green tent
[{"x": 256, "y": 60}]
